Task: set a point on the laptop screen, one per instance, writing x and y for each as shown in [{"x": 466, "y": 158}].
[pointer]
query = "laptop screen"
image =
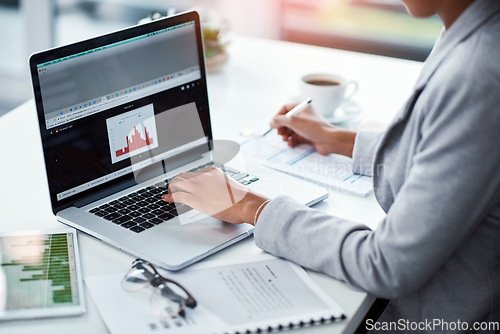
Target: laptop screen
[{"x": 121, "y": 104}]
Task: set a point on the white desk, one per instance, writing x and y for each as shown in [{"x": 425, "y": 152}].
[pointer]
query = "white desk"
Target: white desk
[{"x": 260, "y": 76}]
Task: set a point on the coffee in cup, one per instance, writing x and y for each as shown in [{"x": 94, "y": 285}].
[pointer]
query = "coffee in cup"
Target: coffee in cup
[{"x": 327, "y": 91}]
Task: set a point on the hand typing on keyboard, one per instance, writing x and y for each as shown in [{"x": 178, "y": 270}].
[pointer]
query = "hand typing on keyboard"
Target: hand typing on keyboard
[{"x": 213, "y": 192}]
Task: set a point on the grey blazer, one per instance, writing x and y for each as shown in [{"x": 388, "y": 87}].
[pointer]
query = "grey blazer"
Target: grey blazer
[{"x": 436, "y": 173}]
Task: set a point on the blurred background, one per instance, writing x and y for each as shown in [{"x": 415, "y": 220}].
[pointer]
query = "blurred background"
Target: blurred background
[{"x": 374, "y": 26}]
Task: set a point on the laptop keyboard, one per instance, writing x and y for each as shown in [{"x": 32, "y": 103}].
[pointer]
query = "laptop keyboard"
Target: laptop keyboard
[{"x": 144, "y": 208}]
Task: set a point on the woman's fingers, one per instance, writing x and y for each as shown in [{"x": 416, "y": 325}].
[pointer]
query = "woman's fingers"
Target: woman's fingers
[
  {"x": 194, "y": 188},
  {"x": 178, "y": 183},
  {"x": 295, "y": 140},
  {"x": 213, "y": 192},
  {"x": 178, "y": 197}
]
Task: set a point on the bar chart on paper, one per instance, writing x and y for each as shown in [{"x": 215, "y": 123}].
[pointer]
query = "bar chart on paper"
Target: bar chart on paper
[
  {"x": 38, "y": 271},
  {"x": 132, "y": 133}
]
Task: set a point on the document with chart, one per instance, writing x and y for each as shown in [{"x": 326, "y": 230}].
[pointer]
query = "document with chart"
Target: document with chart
[
  {"x": 248, "y": 296},
  {"x": 303, "y": 161}
]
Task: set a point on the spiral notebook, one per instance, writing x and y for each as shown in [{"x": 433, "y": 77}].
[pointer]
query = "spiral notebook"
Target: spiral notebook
[{"x": 254, "y": 296}]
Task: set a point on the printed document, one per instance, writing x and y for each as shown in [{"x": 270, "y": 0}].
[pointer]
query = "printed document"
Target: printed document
[
  {"x": 232, "y": 297},
  {"x": 303, "y": 161}
]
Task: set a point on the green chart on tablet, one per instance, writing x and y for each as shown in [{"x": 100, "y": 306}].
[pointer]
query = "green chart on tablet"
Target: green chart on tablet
[{"x": 39, "y": 275}]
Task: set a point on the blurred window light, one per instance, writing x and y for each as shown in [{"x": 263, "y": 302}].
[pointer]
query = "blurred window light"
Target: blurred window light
[
  {"x": 374, "y": 26},
  {"x": 12, "y": 54}
]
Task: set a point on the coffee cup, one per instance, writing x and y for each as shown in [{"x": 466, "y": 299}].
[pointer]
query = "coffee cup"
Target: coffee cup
[{"x": 327, "y": 91}]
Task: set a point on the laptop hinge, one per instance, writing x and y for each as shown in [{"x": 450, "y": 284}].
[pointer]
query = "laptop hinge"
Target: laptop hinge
[
  {"x": 139, "y": 178},
  {"x": 104, "y": 193},
  {"x": 143, "y": 175}
]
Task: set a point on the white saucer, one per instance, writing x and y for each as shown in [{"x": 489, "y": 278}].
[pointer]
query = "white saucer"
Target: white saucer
[{"x": 346, "y": 112}]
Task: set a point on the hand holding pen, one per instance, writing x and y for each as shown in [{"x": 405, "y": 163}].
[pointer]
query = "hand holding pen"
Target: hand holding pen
[
  {"x": 313, "y": 129},
  {"x": 298, "y": 108}
]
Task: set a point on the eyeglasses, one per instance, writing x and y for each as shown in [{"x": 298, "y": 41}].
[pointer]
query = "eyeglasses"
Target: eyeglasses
[{"x": 169, "y": 298}]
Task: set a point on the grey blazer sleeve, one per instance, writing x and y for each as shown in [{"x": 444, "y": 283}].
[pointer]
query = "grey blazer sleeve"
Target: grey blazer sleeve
[
  {"x": 309, "y": 237},
  {"x": 365, "y": 145}
]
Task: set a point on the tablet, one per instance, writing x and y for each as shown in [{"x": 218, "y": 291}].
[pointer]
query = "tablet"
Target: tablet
[{"x": 40, "y": 275}]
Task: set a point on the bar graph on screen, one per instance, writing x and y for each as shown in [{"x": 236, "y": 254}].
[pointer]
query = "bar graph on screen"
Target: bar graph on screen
[
  {"x": 132, "y": 133},
  {"x": 135, "y": 141}
]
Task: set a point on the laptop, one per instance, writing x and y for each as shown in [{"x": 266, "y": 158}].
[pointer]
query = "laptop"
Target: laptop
[{"x": 119, "y": 116}]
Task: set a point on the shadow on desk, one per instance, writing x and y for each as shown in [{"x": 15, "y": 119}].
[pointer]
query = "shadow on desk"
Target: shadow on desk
[{"x": 374, "y": 313}]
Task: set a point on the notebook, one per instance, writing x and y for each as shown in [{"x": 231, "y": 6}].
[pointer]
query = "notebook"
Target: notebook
[
  {"x": 120, "y": 115},
  {"x": 263, "y": 294}
]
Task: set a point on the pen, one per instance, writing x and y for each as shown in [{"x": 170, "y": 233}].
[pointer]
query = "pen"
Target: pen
[{"x": 298, "y": 108}]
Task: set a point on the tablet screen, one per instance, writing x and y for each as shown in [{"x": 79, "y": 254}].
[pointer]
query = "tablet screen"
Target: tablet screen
[{"x": 40, "y": 275}]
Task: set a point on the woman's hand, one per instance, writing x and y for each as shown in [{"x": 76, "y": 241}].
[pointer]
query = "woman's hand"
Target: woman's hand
[
  {"x": 213, "y": 192},
  {"x": 311, "y": 128}
]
